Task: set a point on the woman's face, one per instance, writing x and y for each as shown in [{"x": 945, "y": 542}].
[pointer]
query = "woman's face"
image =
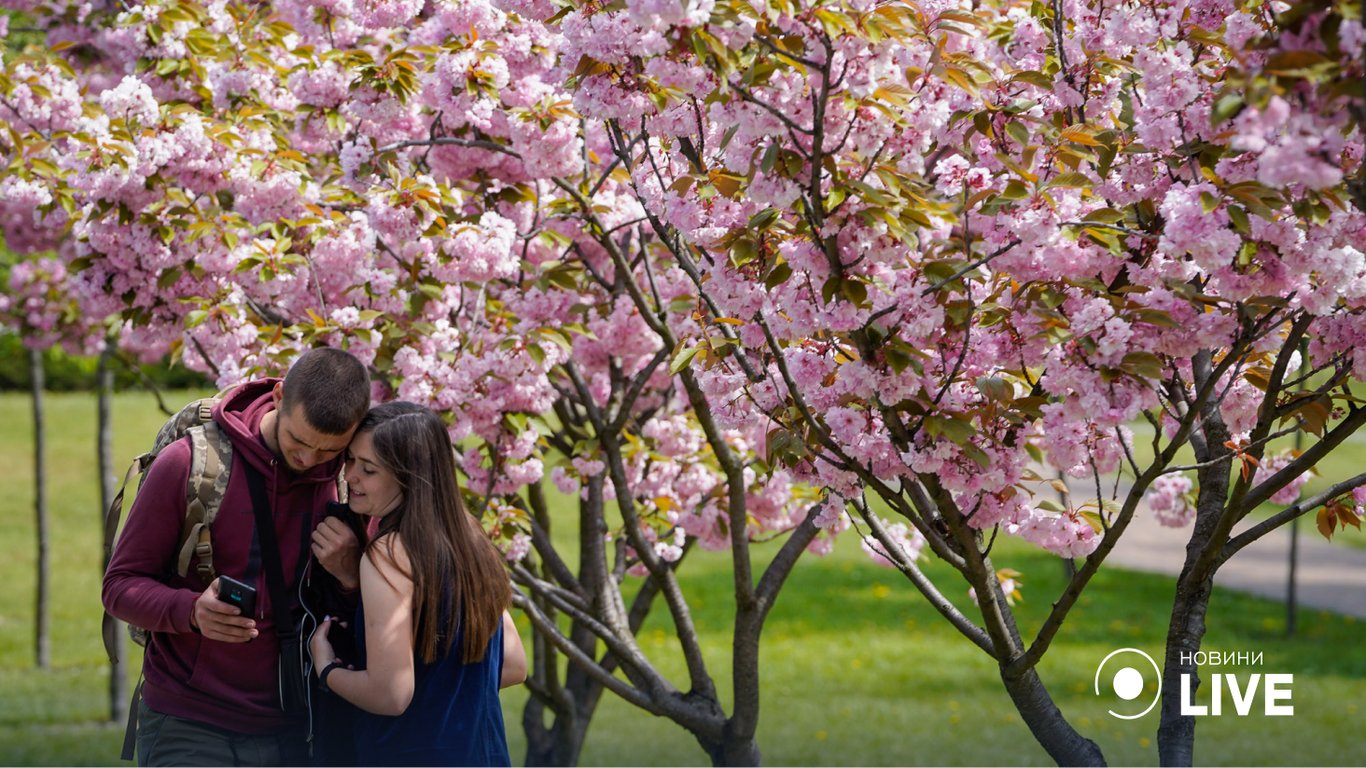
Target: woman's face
[{"x": 374, "y": 490}]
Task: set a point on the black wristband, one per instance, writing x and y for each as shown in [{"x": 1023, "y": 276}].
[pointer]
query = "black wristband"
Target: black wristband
[{"x": 327, "y": 670}]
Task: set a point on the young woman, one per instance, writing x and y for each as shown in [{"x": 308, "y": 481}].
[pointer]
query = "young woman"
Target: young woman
[{"x": 433, "y": 633}]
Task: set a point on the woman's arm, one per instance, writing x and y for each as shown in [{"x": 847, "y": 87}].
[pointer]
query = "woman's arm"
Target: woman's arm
[
  {"x": 385, "y": 686},
  {"x": 514, "y": 655}
]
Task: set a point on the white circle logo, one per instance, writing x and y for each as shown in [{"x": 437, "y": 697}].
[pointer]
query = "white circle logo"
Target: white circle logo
[{"x": 1126, "y": 679}]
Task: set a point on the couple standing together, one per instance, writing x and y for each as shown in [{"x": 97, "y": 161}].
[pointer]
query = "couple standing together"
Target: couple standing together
[{"x": 408, "y": 667}]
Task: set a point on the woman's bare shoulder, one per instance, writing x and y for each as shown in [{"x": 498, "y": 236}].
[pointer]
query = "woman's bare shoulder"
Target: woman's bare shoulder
[{"x": 389, "y": 558}]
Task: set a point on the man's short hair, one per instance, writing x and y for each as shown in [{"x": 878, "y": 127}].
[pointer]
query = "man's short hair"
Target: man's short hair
[{"x": 332, "y": 387}]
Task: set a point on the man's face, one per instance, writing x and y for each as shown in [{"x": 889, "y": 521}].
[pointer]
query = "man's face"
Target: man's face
[{"x": 301, "y": 446}]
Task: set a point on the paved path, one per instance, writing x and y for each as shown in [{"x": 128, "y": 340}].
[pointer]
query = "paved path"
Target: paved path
[{"x": 1331, "y": 576}]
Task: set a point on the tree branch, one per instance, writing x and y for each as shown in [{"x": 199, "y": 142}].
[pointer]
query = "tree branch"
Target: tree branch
[
  {"x": 974, "y": 265},
  {"x": 922, "y": 583},
  {"x": 1233, "y": 545},
  {"x": 439, "y": 141},
  {"x": 547, "y": 628}
]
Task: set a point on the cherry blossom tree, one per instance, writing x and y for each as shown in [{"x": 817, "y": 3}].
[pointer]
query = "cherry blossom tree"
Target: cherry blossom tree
[
  {"x": 39, "y": 308},
  {"x": 701, "y": 258},
  {"x": 235, "y": 183},
  {"x": 36, "y": 309},
  {"x": 940, "y": 244}
]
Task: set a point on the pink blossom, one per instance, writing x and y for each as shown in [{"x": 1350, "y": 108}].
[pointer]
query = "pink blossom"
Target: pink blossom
[
  {"x": 1169, "y": 498},
  {"x": 564, "y": 482},
  {"x": 652, "y": 14},
  {"x": 377, "y": 14},
  {"x": 324, "y": 86},
  {"x": 132, "y": 100},
  {"x": 517, "y": 548},
  {"x": 1065, "y": 535},
  {"x": 1189, "y": 230},
  {"x": 908, "y": 540},
  {"x": 539, "y": 10},
  {"x": 1270, "y": 465}
]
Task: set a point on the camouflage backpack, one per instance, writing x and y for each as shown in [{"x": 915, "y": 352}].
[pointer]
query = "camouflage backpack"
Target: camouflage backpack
[{"x": 210, "y": 460}]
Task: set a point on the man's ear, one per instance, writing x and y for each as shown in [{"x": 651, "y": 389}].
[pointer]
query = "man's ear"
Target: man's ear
[{"x": 277, "y": 393}]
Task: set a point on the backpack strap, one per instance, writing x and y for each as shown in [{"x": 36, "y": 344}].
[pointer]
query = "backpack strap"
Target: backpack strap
[
  {"x": 109, "y": 625},
  {"x": 130, "y": 731},
  {"x": 210, "y": 459}
]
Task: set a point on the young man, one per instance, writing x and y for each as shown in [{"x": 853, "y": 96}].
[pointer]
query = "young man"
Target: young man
[{"x": 210, "y": 693}]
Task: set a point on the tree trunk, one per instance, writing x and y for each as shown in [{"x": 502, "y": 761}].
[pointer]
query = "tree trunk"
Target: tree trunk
[
  {"x": 571, "y": 704},
  {"x": 1047, "y": 723},
  {"x": 561, "y": 743},
  {"x": 1176, "y": 732},
  {"x": 118, "y": 668},
  {"x": 42, "y": 638},
  {"x": 1186, "y": 630},
  {"x": 732, "y": 749}
]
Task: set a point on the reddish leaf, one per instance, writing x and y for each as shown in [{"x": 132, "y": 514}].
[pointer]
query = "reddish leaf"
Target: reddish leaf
[
  {"x": 1326, "y": 522},
  {"x": 1348, "y": 516}
]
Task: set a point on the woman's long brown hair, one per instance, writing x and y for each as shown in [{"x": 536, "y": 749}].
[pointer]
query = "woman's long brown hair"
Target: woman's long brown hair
[{"x": 447, "y": 549}]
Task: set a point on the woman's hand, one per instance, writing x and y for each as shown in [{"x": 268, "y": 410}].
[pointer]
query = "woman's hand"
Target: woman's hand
[
  {"x": 337, "y": 549},
  {"x": 321, "y": 648}
]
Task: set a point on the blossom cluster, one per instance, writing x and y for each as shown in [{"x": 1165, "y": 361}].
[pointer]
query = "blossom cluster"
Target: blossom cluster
[{"x": 897, "y": 247}]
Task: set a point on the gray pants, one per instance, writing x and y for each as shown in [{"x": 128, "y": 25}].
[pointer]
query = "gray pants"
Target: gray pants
[{"x": 167, "y": 740}]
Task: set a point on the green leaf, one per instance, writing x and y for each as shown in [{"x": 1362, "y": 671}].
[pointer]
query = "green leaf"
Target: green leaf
[
  {"x": 977, "y": 455},
  {"x": 1036, "y": 79},
  {"x": 831, "y": 288},
  {"x": 995, "y": 388},
  {"x": 743, "y": 251},
  {"x": 956, "y": 429},
  {"x": 1070, "y": 179},
  {"x": 763, "y": 219},
  {"x": 1018, "y": 131},
  {"x": 855, "y": 291},
  {"x": 778, "y": 275},
  {"x": 770, "y": 158},
  {"x": 1104, "y": 216},
  {"x": 1015, "y": 190},
  {"x": 683, "y": 359},
  {"x": 1143, "y": 364},
  {"x": 897, "y": 357},
  {"x": 1227, "y": 107}
]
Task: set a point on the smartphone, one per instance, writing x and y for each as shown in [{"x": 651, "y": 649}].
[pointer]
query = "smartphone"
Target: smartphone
[
  {"x": 342, "y": 512},
  {"x": 234, "y": 592}
]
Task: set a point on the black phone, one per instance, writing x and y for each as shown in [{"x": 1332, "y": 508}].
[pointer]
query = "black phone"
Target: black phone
[
  {"x": 342, "y": 511},
  {"x": 234, "y": 592}
]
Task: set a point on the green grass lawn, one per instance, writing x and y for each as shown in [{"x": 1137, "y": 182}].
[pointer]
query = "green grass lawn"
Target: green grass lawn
[{"x": 856, "y": 669}]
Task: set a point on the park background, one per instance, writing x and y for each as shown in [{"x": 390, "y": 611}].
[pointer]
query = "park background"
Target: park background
[
  {"x": 705, "y": 240},
  {"x": 857, "y": 671}
]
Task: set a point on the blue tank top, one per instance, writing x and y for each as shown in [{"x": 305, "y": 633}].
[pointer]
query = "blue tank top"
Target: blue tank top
[{"x": 455, "y": 717}]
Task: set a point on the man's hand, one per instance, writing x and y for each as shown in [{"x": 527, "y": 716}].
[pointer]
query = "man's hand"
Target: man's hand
[
  {"x": 336, "y": 547},
  {"x": 221, "y": 621}
]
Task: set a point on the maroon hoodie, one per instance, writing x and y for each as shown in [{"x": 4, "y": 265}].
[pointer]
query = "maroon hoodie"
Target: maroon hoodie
[{"x": 228, "y": 685}]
